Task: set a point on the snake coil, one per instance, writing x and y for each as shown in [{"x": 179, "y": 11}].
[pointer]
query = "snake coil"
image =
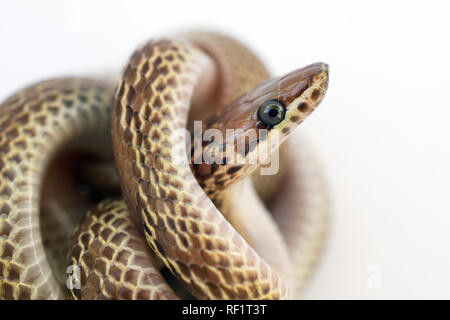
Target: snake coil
[{"x": 209, "y": 230}]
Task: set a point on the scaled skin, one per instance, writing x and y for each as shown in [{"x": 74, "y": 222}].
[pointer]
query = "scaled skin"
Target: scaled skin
[{"x": 181, "y": 225}]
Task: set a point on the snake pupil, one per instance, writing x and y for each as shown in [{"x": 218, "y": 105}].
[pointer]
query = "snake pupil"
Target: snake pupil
[{"x": 271, "y": 112}]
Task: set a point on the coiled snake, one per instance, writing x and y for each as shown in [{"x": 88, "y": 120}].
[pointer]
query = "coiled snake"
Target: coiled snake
[{"x": 217, "y": 230}]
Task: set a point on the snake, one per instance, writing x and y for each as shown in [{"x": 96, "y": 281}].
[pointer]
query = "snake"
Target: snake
[{"x": 176, "y": 225}]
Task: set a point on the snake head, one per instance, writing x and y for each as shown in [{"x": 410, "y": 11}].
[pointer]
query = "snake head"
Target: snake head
[
  {"x": 282, "y": 103},
  {"x": 249, "y": 125},
  {"x": 279, "y": 104}
]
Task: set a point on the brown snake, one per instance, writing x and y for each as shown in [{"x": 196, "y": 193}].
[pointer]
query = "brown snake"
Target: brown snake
[{"x": 186, "y": 228}]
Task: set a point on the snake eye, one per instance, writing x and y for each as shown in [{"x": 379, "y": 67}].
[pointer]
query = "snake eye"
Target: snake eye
[{"x": 271, "y": 112}]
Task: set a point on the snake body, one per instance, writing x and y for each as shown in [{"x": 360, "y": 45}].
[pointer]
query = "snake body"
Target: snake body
[{"x": 220, "y": 230}]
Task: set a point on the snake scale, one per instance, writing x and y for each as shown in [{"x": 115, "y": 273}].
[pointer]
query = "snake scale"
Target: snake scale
[{"x": 169, "y": 229}]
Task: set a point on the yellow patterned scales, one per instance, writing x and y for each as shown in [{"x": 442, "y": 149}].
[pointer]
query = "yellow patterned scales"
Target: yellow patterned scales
[{"x": 216, "y": 230}]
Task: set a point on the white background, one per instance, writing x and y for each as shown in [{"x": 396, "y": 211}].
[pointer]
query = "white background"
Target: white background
[{"x": 381, "y": 132}]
